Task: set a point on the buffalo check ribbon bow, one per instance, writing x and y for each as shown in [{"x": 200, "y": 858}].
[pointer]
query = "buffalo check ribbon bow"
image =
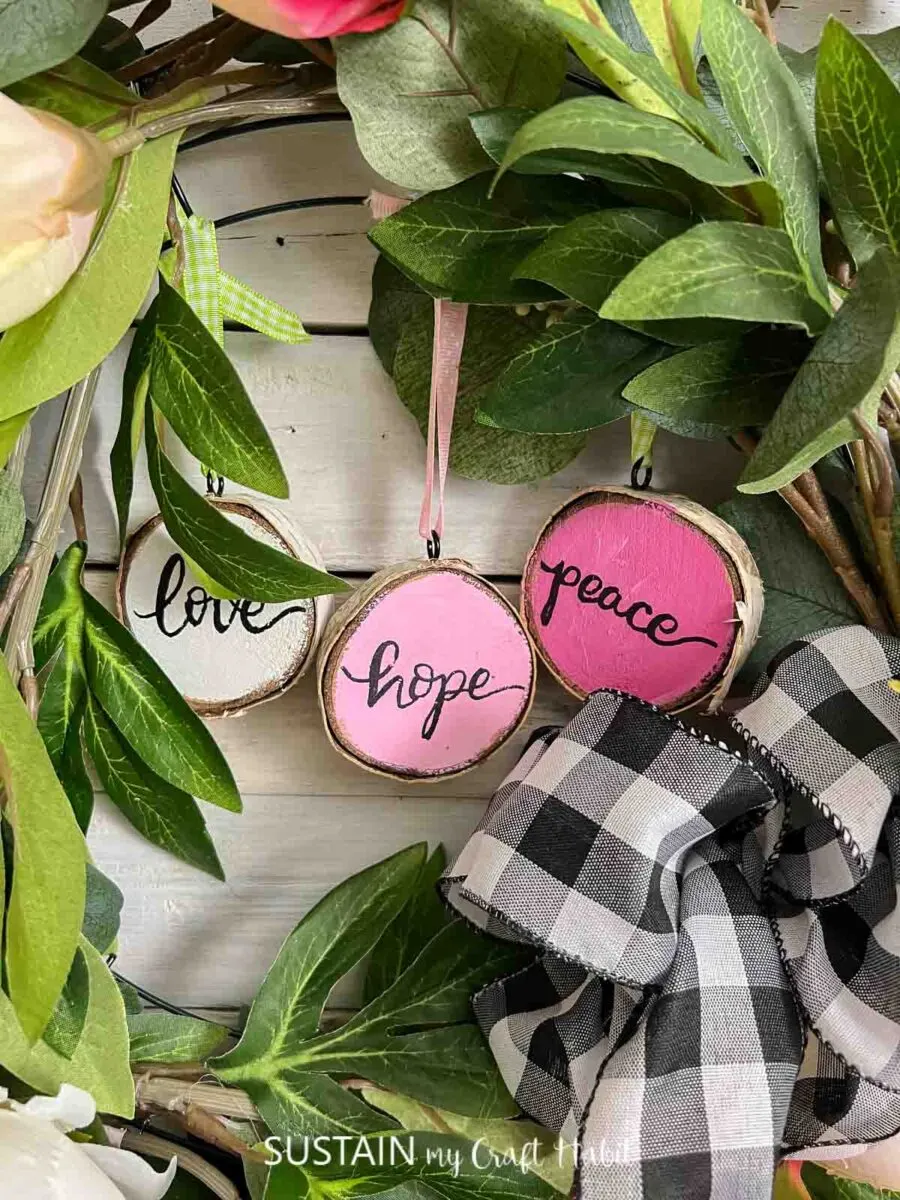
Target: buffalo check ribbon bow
[{"x": 720, "y": 977}]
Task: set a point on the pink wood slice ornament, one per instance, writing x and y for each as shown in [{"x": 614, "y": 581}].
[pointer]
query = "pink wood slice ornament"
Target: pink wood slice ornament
[
  {"x": 225, "y": 656},
  {"x": 646, "y": 593},
  {"x": 426, "y": 672}
]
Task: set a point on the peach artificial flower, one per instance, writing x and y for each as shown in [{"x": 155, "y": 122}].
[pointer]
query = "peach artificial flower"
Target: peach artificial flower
[
  {"x": 316, "y": 18},
  {"x": 51, "y": 189}
]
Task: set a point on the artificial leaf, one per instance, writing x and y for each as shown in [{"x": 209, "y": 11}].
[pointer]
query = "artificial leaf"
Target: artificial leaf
[
  {"x": 846, "y": 369},
  {"x": 443, "y": 1166},
  {"x": 395, "y": 300},
  {"x": 885, "y": 46},
  {"x": 494, "y": 336},
  {"x": 237, "y": 561},
  {"x": 61, "y": 615},
  {"x": 46, "y": 900},
  {"x": 599, "y": 125},
  {"x": 61, "y": 694},
  {"x": 411, "y": 87},
  {"x": 803, "y": 594},
  {"x": 858, "y": 135},
  {"x": 822, "y": 1185},
  {"x": 632, "y": 75},
  {"x": 165, "y": 815},
  {"x": 712, "y": 390},
  {"x": 569, "y": 378},
  {"x": 418, "y": 1028},
  {"x": 521, "y": 1142},
  {"x": 10, "y": 430},
  {"x": 462, "y": 244},
  {"x": 417, "y": 922},
  {"x": 99, "y": 1064},
  {"x": 719, "y": 269},
  {"x": 766, "y": 107},
  {"x": 130, "y": 997},
  {"x": 415, "y": 1036},
  {"x": 37, "y": 34},
  {"x": 135, "y": 384},
  {"x": 75, "y": 90},
  {"x": 150, "y": 713},
  {"x": 12, "y": 519},
  {"x": 673, "y": 27},
  {"x": 112, "y": 45},
  {"x": 198, "y": 391},
  {"x": 102, "y": 909},
  {"x": 161, "y": 1037},
  {"x": 71, "y": 335},
  {"x": 589, "y": 256},
  {"x": 66, "y": 1026}
]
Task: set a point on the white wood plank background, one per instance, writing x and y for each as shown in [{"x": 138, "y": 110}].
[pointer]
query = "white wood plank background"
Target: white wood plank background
[{"x": 355, "y": 462}]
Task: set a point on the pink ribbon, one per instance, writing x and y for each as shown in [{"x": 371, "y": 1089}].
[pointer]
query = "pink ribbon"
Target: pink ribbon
[
  {"x": 382, "y": 205},
  {"x": 449, "y": 336}
]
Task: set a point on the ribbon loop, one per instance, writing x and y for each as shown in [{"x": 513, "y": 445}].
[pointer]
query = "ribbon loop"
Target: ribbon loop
[
  {"x": 449, "y": 337},
  {"x": 721, "y": 931}
]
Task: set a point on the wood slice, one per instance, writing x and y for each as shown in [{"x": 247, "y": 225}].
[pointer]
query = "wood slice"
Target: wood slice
[
  {"x": 425, "y": 672},
  {"x": 648, "y": 594},
  {"x": 225, "y": 656}
]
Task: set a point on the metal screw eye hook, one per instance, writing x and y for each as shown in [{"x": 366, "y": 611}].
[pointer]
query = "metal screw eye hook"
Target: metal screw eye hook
[
  {"x": 215, "y": 489},
  {"x": 434, "y": 545},
  {"x": 639, "y": 484}
]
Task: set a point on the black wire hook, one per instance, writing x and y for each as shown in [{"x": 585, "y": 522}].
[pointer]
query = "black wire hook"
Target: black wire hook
[
  {"x": 215, "y": 489},
  {"x": 433, "y": 545},
  {"x": 639, "y": 484}
]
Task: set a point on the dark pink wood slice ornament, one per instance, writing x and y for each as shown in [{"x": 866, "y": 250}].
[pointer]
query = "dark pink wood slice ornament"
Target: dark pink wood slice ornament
[
  {"x": 224, "y": 655},
  {"x": 425, "y": 672},
  {"x": 646, "y": 593}
]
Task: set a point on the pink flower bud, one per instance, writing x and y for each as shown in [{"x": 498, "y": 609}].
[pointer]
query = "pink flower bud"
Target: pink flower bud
[
  {"x": 51, "y": 189},
  {"x": 317, "y": 18}
]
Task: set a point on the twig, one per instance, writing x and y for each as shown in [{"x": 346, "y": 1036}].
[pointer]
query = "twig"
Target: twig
[
  {"x": 157, "y": 1147},
  {"x": 76, "y": 508},
  {"x": 219, "y": 50},
  {"x": 880, "y": 511},
  {"x": 321, "y": 51},
  {"x": 171, "y": 1095},
  {"x": 818, "y": 521},
  {"x": 157, "y": 59},
  {"x": 26, "y": 588},
  {"x": 759, "y": 12},
  {"x": 176, "y": 233}
]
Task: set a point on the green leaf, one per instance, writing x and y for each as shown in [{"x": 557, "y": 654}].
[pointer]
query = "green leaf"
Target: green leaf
[
  {"x": 61, "y": 615},
  {"x": 151, "y": 714},
  {"x": 10, "y": 429},
  {"x": 411, "y": 87},
  {"x": 195, "y": 386},
  {"x": 858, "y": 135},
  {"x": 493, "y": 338},
  {"x": 803, "y": 594},
  {"x": 135, "y": 385},
  {"x": 460, "y": 244},
  {"x": 99, "y": 1064},
  {"x": 712, "y": 390},
  {"x": 673, "y": 27},
  {"x": 885, "y": 46},
  {"x": 766, "y": 107},
  {"x": 12, "y": 519},
  {"x": 238, "y": 562},
  {"x": 102, "y": 908},
  {"x": 66, "y": 1026},
  {"x": 675, "y": 100},
  {"x": 569, "y": 378},
  {"x": 422, "y": 916},
  {"x": 598, "y": 125},
  {"x": 521, "y": 1141},
  {"x": 443, "y": 1167},
  {"x": 62, "y": 343},
  {"x": 160, "y": 1037},
  {"x": 75, "y": 90},
  {"x": 587, "y": 258},
  {"x": 163, "y": 814},
  {"x": 46, "y": 901},
  {"x": 846, "y": 369},
  {"x": 719, "y": 269},
  {"x": 59, "y": 721},
  {"x": 823, "y": 1186},
  {"x": 37, "y": 34}
]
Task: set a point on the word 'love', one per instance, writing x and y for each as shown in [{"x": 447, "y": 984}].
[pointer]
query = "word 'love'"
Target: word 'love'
[
  {"x": 591, "y": 590},
  {"x": 424, "y": 684},
  {"x": 197, "y": 603}
]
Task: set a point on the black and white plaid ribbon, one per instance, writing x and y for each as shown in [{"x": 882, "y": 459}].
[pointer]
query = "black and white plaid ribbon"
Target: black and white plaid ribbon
[{"x": 721, "y": 977}]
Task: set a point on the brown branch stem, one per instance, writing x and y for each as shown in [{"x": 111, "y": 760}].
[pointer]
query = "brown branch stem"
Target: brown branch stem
[
  {"x": 878, "y": 480},
  {"x": 161, "y": 57}
]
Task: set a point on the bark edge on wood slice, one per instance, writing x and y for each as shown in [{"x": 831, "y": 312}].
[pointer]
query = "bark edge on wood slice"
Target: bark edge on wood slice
[
  {"x": 425, "y": 672},
  {"x": 247, "y": 655},
  {"x": 644, "y": 593}
]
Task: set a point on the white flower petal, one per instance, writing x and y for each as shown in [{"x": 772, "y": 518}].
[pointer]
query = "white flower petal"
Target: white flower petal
[
  {"x": 37, "y": 1162},
  {"x": 32, "y": 273},
  {"x": 70, "y": 1109},
  {"x": 134, "y": 1177}
]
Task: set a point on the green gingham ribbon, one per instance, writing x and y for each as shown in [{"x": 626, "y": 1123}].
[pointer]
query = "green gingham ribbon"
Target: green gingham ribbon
[{"x": 215, "y": 296}]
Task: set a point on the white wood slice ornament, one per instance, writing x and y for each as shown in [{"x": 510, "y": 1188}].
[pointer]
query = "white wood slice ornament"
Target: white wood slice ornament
[
  {"x": 225, "y": 656},
  {"x": 646, "y": 593},
  {"x": 425, "y": 672}
]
